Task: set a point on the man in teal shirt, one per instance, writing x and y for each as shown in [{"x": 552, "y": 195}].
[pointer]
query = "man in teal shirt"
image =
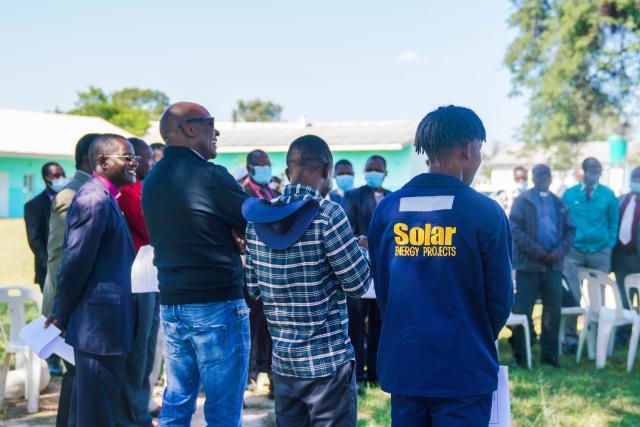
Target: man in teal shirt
[{"x": 593, "y": 208}]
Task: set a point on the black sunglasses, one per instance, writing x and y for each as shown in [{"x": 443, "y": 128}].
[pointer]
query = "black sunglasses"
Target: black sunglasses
[{"x": 208, "y": 120}]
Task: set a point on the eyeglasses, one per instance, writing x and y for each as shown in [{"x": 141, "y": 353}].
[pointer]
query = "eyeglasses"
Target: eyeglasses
[
  {"x": 208, "y": 120},
  {"x": 127, "y": 157}
]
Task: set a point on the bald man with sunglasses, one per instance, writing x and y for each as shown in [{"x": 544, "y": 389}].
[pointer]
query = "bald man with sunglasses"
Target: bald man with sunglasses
[{"x": 192, "y": 210}]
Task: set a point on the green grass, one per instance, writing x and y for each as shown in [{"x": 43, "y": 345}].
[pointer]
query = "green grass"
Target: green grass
[{"x": 577, "y": 395}]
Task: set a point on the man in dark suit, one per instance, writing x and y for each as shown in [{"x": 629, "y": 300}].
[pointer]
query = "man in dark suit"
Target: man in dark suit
[
  {"x": 36, "y": 217},
  {"x": 626, "y": 254},
  {"x": 93, "y": 306},
  {"x": 364, "y": 315}
]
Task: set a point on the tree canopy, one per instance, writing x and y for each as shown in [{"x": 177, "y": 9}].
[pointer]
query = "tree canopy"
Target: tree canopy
[
  {"x": 130, "y": 108},
  {"x": 579, "y": 63},
  {"x": 256, "y": 110}
]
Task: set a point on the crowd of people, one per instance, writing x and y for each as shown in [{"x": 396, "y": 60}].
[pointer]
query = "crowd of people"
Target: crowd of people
[
  {"x": 587, "y": 227},
  {"x": 256, "y": 277}
]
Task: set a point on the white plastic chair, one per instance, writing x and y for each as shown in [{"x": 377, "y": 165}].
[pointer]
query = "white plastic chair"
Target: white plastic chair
[
  {"x": 632, "y": 282},
  {"x": 605, "y": 308},
  {"x": 16, "y": 296},
  {"x": 521, "y": 320}
]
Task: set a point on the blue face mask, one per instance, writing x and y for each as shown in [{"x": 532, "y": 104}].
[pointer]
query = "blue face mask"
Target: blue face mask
[
  {"x": 58, "y": 184},
  {"x": 374, "y": 179},
  {"x": 634, "y": 187},
  {"x": 522, "y": 186},
  {"x": 262, "y": 174},
  {"x": 344, "y": 182}
]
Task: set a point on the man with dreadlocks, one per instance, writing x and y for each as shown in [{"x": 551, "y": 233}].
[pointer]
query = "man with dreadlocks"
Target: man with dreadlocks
[{"x": 441, "y": 260}]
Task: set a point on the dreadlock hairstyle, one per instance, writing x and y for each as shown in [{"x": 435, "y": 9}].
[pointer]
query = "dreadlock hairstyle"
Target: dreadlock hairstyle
[{"x": 447, "y": 128}]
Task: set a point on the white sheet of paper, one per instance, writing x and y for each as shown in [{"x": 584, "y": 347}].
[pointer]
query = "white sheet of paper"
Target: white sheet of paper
[
  {"x": 501, "y": 405},
  {"x": 45, "y": 341},
  {"x": 371, "y": 292},
  {"x": 144, "y": 275},
  {"x": 38, "y": 338}
]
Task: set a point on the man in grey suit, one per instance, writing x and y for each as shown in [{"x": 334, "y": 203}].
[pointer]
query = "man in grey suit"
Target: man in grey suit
[{"x": 59, "y": 208}]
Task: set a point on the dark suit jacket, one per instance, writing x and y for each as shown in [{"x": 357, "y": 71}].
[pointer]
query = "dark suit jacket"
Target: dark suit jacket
[
  {"x": 94, "y": 279},
  {"x": 335, "y": 197},
  {"x": 36, "y": 218},
  {"x": 359, "y": 205}
]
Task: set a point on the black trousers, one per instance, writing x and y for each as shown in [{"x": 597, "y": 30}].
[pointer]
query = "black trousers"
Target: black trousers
[
  {"x": 326, "y": 401},
  {"x": 547, "y": 284},
  {"x": 364, "y": 332},
  {"x": 623, "y": 264},
  {"x": 260, "y": 355},
  {"x": 136, "y": 389},
  {"x": 96, "y": 390},
  {"x": 66, "y": 393}
]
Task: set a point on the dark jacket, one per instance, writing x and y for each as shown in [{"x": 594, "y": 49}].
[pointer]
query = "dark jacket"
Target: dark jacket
[
  {"x": 441, "y": 261},
  {"x": 94, "y": 279},
  {"x": 36, "y": 218},
  {"x": 359, "y": 205},
  {"x": 334, "y": 196},
  {"x": 190, "y": 206},
  {"x": 524, "y": 227},
  {"x": 619, "y": 247}
]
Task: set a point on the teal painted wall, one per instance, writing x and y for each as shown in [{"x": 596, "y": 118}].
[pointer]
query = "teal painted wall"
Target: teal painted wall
[
  {"x": 398, "y": 167},
  {"x": 16, "y": 168},
  {"x": 398, "y": 164}
]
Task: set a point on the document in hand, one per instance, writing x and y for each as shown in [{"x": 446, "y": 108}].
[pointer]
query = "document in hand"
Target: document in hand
[
  {"x": 46, "y": 341},
  {"x": 144, "y": 275},
  {"x": 501, "y": 406}
]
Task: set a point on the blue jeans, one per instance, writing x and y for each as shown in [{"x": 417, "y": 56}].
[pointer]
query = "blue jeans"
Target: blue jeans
[{"x": 208, "y": 344}]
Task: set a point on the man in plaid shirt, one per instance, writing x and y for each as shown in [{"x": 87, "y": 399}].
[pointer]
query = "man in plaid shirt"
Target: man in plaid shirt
[{"x": 302, "y": 261}]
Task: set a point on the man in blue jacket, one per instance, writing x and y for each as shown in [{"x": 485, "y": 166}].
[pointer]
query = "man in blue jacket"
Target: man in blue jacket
[
  {"x": 441, "y": 260},
  {"x": 542, "y": 235}
]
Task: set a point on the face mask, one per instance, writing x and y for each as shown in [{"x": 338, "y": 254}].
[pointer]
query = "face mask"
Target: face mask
[
  {"x": 591, "y": 179},
  {"x": 522, "y": 186},
  {"x": 374, "y": 179},
  {"x": 635, "y": 187},
  {"x": 262, "y": 174},
  {"x": 273, "y": 186},
  {"x": 344, "y": 182},
  {"x": 58, "y": 184}
]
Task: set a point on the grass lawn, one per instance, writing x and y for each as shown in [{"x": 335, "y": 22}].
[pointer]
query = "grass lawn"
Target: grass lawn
[{"x": 576, "y": 395}]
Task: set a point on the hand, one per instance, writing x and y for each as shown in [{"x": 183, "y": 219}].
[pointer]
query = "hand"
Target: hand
[
  {"x": 51, "y": 320},
  {"x": 363, "y": 242},
  {"x": 239, "y": 242}
]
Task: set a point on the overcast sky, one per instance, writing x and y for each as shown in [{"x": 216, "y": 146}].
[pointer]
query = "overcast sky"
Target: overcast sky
[{"x": 332, "y": 61}]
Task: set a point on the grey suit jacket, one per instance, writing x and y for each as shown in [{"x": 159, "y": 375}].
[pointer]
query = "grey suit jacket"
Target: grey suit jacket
[{"x": 58, "y": 217}]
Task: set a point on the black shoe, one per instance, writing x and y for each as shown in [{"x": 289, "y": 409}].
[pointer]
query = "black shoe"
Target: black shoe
[
  {"x": 551, "y": 362},
  {"x": 360, "y": 388}
]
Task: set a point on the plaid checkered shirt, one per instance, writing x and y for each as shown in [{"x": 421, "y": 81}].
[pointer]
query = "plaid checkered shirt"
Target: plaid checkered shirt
[{"x": 304, "y": 289}]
